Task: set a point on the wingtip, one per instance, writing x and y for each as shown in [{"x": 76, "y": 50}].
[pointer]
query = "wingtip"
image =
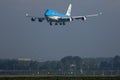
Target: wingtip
[
  {"x": 27, "y": 14},
  {"x": 100, "y": 13}
]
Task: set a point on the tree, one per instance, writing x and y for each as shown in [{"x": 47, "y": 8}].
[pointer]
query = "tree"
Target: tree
[
  {"x": 116, "y": 62},
  {"x": 71, "y": 62}
]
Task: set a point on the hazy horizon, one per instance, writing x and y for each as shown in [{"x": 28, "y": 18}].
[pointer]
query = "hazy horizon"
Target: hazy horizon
[{"x": 43, "y": 60}]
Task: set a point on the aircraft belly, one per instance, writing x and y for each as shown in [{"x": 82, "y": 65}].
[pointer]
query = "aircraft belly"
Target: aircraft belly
[{"x": 57, "y": 19}]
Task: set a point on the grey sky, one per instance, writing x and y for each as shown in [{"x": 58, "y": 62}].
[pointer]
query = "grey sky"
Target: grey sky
[{"x": 96, "y": 37}]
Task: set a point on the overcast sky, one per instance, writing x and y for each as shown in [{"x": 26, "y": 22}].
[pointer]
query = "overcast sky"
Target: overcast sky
[{"x": 96, "y": 37}]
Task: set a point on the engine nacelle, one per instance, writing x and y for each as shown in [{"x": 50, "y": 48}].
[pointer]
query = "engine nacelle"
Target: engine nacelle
[
  {"x": 33, "y": 19},
  {"x": 39, "y": 19},
  {"x": 70, "y": 19},
  {"x": 84, "y": 18}
]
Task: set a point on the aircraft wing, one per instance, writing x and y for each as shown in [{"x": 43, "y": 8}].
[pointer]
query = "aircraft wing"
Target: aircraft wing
[
  {"x": 33, "y": 18},
  {"x": 85, "y": 17}
]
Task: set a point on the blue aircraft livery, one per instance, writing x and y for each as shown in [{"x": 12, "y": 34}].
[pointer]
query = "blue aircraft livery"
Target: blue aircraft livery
[{"x": 55, "y": 17}]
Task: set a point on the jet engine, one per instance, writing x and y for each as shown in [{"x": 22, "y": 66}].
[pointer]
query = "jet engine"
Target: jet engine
[
  {"x": 84, "y": 18},
  {"x": 33, "y": 19},
  {"x": 70, "y": 19},
  {"x": 40, "y": 20}
]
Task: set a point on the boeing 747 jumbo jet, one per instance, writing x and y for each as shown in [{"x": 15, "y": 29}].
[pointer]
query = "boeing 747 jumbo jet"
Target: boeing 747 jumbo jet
[{"x": 55, "y": 17}]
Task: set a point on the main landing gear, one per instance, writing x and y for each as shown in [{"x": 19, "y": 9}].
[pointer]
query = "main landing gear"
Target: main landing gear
[{"x": 56, "y": 23}]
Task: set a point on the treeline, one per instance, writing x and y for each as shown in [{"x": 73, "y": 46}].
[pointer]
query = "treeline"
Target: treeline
[{"x": 67, "y": 65}]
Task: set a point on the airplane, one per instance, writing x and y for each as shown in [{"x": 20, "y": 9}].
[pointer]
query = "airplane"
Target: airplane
[{"x": 52, "y": 16}]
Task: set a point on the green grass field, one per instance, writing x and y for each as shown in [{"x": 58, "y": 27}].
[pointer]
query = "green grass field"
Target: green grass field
[{"x": 59, "y": 77}]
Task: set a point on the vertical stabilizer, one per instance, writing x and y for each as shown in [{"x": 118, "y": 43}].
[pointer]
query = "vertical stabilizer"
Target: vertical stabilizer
[{"x": 68, "y": 13}]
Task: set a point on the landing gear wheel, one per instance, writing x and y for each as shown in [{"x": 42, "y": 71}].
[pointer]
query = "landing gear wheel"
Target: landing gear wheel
[
  {"x": 60, "y": 23},
  {"x": 51, "y": 23},
  {"x": 63, "y": 23},
  {"x": 56, "y": 23}
]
